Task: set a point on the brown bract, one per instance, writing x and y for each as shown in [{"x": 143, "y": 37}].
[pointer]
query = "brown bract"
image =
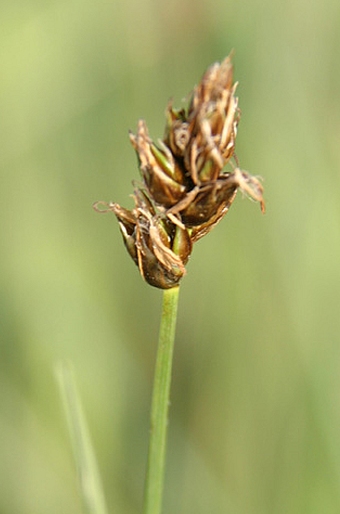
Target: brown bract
[
  {"x": 186, "y": 190},
  {"x": 159, "y": 247}
]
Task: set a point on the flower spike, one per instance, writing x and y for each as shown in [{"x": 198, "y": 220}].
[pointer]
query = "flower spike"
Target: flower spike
[{"x": 186, "y": 190}]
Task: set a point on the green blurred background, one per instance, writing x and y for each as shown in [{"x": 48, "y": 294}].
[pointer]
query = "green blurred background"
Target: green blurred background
[{"x": 255, "y": 410}]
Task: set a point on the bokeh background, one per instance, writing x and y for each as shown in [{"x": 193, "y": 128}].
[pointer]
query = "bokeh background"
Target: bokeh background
[{"x": 255, "y": 410}]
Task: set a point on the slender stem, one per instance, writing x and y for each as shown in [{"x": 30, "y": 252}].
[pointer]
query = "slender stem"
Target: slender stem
[{"x": 160, "y": 404}]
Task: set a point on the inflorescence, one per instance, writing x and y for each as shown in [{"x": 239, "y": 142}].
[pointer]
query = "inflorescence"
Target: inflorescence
[{"x": 185, "y": 191}]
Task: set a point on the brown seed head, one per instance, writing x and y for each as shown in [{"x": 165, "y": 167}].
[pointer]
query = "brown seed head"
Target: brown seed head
[{"x": 186, "y": 191}]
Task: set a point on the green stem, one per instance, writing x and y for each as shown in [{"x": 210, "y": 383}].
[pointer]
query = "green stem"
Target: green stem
[{"x": 160, "y": 404}]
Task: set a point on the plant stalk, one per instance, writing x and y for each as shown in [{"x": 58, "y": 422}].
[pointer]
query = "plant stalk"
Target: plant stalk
[{"x": 160, "y": 404}]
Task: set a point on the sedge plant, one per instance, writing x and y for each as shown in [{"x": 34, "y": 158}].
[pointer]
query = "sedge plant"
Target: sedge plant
[{"x": 189, "y": 180}]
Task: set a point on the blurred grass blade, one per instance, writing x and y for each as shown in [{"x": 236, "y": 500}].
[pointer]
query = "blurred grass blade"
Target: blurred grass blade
[{"x": 87, "y": 468}]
